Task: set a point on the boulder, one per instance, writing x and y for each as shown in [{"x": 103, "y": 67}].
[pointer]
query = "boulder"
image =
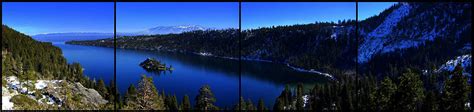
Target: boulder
[{"x": 90, "y": 95}]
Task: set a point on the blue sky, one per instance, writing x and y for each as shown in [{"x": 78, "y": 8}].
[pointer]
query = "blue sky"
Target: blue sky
[
  {"x": 368, "y": 9},
  {"x": 36, "y": 18},
  {"x": 140, "y": 16},
  {"x": 266, "y": 14}
]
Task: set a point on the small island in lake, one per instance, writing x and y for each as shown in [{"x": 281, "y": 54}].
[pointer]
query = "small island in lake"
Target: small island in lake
[{"x": 151, "y": 64}]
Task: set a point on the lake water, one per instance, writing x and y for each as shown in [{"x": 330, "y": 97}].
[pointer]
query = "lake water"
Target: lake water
[{"x": 259, "y": 79}]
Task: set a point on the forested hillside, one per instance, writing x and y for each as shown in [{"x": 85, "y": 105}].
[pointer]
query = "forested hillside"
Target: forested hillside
[
  {"x": 412, "y": 56},
  {"x": 323, "y": 47},
  {"x": 33, "y": 72},
  {"x": 421, "y": 36},
  {"x": 22, "y": 54}
]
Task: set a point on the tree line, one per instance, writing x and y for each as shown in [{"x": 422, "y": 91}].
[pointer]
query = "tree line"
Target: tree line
[
  {"x": 409, "y": 91},
  {"x": 28, "y": 59}
]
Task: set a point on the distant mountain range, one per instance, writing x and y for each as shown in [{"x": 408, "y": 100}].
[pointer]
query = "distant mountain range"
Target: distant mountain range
[
  {"x": 62, "y": 37},
  {"x": 170, "y": 29}
]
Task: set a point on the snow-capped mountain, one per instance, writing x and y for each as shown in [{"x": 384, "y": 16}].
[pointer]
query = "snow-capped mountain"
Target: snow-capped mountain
[
  {"x": 408, "y": 25},
  {"x": 171, "y": 29}
]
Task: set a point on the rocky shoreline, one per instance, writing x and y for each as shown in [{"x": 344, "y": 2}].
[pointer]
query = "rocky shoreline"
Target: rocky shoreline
[{"x": 48, "y": 94}]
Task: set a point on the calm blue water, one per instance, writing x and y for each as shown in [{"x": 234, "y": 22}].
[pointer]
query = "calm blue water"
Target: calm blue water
[{"x": 259, "y": 79}]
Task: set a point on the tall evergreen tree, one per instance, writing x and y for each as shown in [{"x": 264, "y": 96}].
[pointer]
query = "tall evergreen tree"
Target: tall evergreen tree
[
  {"x": 132, "y": 93},
  {"x": 148, "y": 98},
  {"x": 299, "y": 97},
  {"x": 205, "y": 99},
  {"x": 250, "y": 105},
  {"x": 456, "y": 91},
  {"x": 385, "y": 93},
  {"x": 242, "y": 104},
  {"x": 261, "y": 105},
  {"x": 287, "y": 95},
  {"x": 409, "y": 93},
  {"x": 112, "y": 92},
  {"x": 431, "y": 101},
  {"x": 186, "y": 104},
  {"x": 315, "y": 98},
  {"x": 346, "y": 98},
  {"x": 172, "y": 103},
  {"x": 102, "y": 89},
  {"x": 279, "y": 104}
]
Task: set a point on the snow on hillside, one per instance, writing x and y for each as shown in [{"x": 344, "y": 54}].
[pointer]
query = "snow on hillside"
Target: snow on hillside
[
  {"x": 6, "y": 96},
  {"x": 464, "y": 60},
  {"x": 48, "y": 90},
  {"x": 375, "y": 40}
]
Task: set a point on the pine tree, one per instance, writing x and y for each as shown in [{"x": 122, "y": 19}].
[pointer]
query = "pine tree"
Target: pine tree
[
  {"x": 132, "y": 92},
  {"x": 431, "y": 101},
  {"x": 456, "y": 91},
  {"x": 148, "y": 98},
  {"x": 112, "y": 92},
  {"x": 346, "y": 99},
  {"x": 299, "y": 97},
  {"x": 315, "y": 98},
  {"x": 102, "y": 89},
  {"x": 279, "y": 104},
  {"x": 409, "y": 92},
  {"x": 261, "y": 105},
  {"x": 242, "y": 104},
  {"x": 250, "y": 105},
  {"x": 205, "y": 99},
  {"x": 186, "y": 105},
  {"x": 287, "y": 96},
  {"x": 172, "y": 103},
  {"x": 385, "y": 93}
]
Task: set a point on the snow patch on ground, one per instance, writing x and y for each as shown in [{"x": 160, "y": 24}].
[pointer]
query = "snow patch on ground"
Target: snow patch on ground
[
  {"x": 464, "y": 60},
  {"x": 14, "y": 85},
  {"x": 305, "y": 100},
  {"x": 41, "y": 84},
  {"x": 13, "y": 82},
  {"x": 6, "y": 96},
  {"x": 373, "y": 42}
]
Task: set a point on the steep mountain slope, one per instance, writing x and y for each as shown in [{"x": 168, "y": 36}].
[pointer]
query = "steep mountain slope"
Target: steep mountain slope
[
  {"x": 414, "y": 35},
  {"x": 411, "y": 24},
  {"x": 325, "y": 47},
  {"x": 35, "y": 73},
  {"x": 375, "y": 39}
]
